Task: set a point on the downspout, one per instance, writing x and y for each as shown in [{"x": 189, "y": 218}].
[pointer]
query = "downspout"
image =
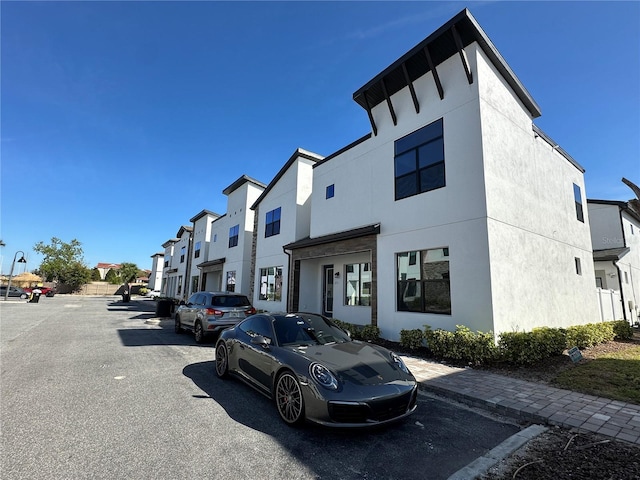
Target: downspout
[
  {"x": 289, "y": 282},
  {"x": 624, "y": 308}
]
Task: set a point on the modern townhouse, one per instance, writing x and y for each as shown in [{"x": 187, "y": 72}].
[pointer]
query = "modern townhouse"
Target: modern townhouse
[
  {"x": 228, "y": 263},
  {"x": 202, "y": 230},
  {"x": 615, "y": 235},
  {"x": 155, "y": 277},
  {"x": 455, "y": 210},
  {"x": 175, "y": 265},
  {"x": 282, "y": 214}
]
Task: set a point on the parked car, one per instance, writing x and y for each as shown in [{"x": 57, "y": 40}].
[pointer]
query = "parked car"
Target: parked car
[
  {"x": 314, "y": 371},
  {"x": 207, "y": 313},
  {"x": 47, "y": 291},
  {"x": 13, "y": 292},
  {"x": 153, "y": 294}
]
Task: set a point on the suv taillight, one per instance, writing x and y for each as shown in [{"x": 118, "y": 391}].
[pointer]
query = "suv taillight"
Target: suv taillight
[
  {"x": 214, "y": 312},
  {"x": 251, "y": 311}
]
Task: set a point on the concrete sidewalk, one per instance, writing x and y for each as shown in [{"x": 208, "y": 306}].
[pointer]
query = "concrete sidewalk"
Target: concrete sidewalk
[{"x": 530, "y": 401}]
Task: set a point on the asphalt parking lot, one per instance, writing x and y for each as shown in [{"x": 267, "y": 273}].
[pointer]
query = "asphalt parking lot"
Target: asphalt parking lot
[{"x": 94, "y": 388}]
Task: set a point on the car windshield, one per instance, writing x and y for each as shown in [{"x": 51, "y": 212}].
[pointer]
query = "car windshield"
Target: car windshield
[
  {"x": 302, "y": 329},
  {"x": 230, "y": 301}
]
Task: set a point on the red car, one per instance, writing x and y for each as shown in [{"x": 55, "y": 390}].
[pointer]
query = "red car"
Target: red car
[{"x": 47, "y": 291}]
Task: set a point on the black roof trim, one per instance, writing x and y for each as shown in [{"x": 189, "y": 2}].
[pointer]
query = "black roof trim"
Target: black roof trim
[
  {"x": 344, "y": 149},
  {"x": 610, "y": 254},
  {"x": 441, "y": 45},
  {"x": 241, "y": 181},
  {"x": 335, "y": 237},
  {"x": 557, "y": 147},
  {"x": 201, "y": 214},
  {"x": 171, "y": 241},
  {"x": 210, "y": 263},
  {"x": 299, "y": 153},
  {"x": 184, "y": 229}
]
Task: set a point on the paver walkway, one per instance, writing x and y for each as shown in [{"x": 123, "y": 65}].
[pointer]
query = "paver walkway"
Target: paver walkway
[{"x": 530, "y": 401}]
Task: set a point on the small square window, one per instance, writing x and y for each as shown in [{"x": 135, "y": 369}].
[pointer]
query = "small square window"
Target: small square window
[{"x": 330, "y": 191}]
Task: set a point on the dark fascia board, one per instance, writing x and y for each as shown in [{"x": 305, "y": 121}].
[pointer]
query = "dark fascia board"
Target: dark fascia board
[
  {"x": 299, "y": 153},
  {"x": 210, "y": 263},
  {"x": 169, "y": 242},
  {"x": 241, "y": 181},
  {"x": 184, "y": 229},
  {"x": 202, "y": 214},
  {"x": 159, "y": 254},
  {"x": 610, "y": 254},
  {"x": 344, "y": 149},
  {"x": 335, "y": 237},
  {"x": 442, "y": 46},
  {"x": 557, "y": 147}
]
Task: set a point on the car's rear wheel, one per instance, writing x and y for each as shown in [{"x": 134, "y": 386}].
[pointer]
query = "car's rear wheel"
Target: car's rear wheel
[
  {"x": 198, "y": 332},
  {"x": 24, "y": 296},
  {"x": 289, "y": 399},
  {"x": 222, "y": 360},
  {"x": 178, "y": 325}
]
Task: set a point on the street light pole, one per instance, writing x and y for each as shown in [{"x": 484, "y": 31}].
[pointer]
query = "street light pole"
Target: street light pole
[{"x": 13, "y": 264}]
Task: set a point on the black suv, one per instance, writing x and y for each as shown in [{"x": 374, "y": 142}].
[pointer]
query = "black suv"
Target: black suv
[{"x": 207, "y": 313}]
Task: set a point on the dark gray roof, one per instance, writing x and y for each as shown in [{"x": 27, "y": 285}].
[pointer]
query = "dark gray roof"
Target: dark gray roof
[
  {"x": 449, "y": 40},
  {"x": 201, "y": 214},
  {"x": 610, "y": 254},
  {"x": 335, "y": 237},
  {"x": 241, "y": 181}
]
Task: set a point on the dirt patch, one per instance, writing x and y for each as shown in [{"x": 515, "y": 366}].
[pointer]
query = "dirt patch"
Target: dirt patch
[{"x": 559, "y": 454}]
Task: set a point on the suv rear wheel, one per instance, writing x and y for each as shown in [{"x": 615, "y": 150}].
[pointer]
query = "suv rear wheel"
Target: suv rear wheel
[{"x": 198, "y": 332}]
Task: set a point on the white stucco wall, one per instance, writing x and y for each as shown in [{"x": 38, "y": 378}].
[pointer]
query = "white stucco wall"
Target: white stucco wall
[{"x": 534, "y": 233}]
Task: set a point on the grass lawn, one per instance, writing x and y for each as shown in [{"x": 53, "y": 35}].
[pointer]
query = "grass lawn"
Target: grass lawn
[{"x": 613, "y": 375}]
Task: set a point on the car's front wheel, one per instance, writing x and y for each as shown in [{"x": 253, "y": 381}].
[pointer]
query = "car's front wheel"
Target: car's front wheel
[
  {"x": 289, "y": 399},
  {"x": 222, "y": 360},
  {"x": 198, "y": 332}
]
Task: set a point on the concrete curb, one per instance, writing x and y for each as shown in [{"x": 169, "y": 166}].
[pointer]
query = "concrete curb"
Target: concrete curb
[{"x": 481, "y": 465}]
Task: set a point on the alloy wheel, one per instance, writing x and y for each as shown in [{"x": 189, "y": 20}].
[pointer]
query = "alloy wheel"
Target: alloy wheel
[{"x": 289, "y": 399}]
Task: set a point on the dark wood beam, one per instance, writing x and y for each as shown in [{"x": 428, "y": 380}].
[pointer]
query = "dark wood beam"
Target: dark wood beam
[
  {"x": 414, "y": 97},
  {"x": 371, "y": 120},
  {"x": 434, "y": 72},
  {"x": 463, "y": 56},
  {"x": 389, "y": 104}
]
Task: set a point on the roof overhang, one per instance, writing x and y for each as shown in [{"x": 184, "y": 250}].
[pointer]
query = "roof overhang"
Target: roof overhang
[
  {"x": 335, "y": 237},
  {"x": 610, "y": 254}
]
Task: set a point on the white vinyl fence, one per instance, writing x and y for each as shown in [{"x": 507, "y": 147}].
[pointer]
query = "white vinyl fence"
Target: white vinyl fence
[{"x": 610, "y": 304}]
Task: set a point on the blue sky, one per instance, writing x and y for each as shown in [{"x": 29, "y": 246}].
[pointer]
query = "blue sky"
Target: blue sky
[{"x": 122, "y": 120}]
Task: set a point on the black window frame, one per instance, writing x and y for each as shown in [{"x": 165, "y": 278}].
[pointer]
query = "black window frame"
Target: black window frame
[
  {"x": 421, "y": 294},
  {"x": 577, "y": 198},
  {"x": 419, "y": 161},
  {"x": 234, "y": 233},
  {"x": 272, "y": 224},
  {"x": 330, "y": 191}
]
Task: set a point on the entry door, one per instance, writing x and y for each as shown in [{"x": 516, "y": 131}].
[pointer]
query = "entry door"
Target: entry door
[{"x": 327, "y": 291}]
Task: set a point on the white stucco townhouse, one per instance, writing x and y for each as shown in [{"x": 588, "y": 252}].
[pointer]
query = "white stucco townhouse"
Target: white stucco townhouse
[
  {"x": 202, "y": 225},
  {"x": 282, "y": 214},
  {"x": 455, "y": 210},
  {"x": 615, "y": 234},
  {"x": 155, "y": 277},
  {"x": 174, "y": 276},
  {"x": 228, "y": 264}
]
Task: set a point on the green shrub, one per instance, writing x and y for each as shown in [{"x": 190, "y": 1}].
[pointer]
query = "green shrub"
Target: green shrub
[
  {"x": 411, "y": 339},
  {"x": 367, "y": 333},
  {"x": 622, "y": 330},
  {"x": 463, "y": 345},
  {"x": 528, "y": 348},
  {"x": 590, "y": 334}
]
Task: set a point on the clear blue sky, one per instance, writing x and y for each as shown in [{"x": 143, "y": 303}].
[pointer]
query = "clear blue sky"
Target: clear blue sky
[{"x": 121, "y": 121}]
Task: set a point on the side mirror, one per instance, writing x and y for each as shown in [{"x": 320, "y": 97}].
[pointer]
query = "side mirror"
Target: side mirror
[
  {"x": 182, "y": 302},
  {"x": 260, "y": 340}
]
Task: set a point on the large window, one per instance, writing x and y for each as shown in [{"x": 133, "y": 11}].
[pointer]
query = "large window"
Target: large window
[
  {"x": 183, "y": 250},
  {"x": 357, "y": 284},
  {"x": 577, "y": 197},
  {"x": 271, "y": 284},
  {"x": 196, "y": 252},
  {"x": 272, "y": 226},
  {"x": 233, "y": 236},
  {"x": 423, "y": 283},
  {"x": 419, "y": 161},
  {"x": 231, "y": 281}
]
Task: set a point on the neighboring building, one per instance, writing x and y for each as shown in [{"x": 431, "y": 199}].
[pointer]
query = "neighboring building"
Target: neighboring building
[
  {"x": 615, "y": 235},
  {"x": 455, "y": 210},
  {"x": 202, "y": 229},
  {"x": 228, "y": 263},
  {"x": 282, "y": 216},
  {"x": 155, "y": 277},
  {"x": 104, "y": 268},
  {"x": 174, "y": 275}
]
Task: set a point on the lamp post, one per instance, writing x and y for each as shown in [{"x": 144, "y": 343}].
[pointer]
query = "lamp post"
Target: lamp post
[{"x": 13, "y": 264}]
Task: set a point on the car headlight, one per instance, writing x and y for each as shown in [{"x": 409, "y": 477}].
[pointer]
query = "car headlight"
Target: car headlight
[
  {"x": 323, "y": 376},
  {"x": 399, "y": 363}
]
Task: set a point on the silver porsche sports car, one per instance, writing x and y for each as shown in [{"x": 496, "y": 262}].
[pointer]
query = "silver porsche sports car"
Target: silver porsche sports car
[{"x": 315, "y": 371}]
